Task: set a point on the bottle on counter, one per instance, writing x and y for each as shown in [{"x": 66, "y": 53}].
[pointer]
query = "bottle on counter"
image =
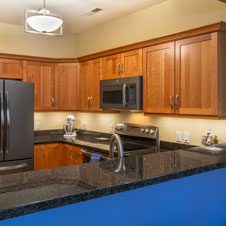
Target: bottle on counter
[
  {"x": 209, "y": 138},
  {"x": 214, "y": 139}
]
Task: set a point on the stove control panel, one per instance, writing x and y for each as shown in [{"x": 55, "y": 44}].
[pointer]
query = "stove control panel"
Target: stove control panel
[{"x": 136, "y": 130}]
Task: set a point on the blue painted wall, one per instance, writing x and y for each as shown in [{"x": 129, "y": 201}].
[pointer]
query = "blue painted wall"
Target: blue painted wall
[{"x": 198, "y": 200}]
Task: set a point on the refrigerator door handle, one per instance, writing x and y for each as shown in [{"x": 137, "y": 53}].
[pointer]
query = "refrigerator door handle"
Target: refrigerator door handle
[
  {"x": 4, "y": 168},
  {"x": 8, "y": 122},
  {"x": 2, "y": 123}
]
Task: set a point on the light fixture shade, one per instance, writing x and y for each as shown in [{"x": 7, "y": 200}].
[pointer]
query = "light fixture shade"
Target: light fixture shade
[{"x": 44, "y": 23}]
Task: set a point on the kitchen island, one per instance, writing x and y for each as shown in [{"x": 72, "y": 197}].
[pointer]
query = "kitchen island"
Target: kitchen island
[{"x": 34, "y": 191}]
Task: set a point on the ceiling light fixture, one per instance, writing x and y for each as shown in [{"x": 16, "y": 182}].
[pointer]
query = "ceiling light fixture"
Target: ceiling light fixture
[{"x": 43, "y": 22}]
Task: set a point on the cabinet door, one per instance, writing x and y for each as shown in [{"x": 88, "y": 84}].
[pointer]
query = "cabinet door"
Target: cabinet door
[
  {"x": 48, "y": 156},
  {"x": 67, "y": 87},
  {"x": 39, "y": 160},
  {"x": 54, "y": 155},
  {"x": 158, "y": 87},
  {"x": 73, "y": 155},
  {"x": 131, "y": 63},
  {"x": 95, "y": 84},
  {"x": 11, "y": 69},
  {"x": 42, "y": 75},
  {"x": 85, "y": 85},
  {"x": 196, "y": 75},
  {"x": 111, "y": 67}
]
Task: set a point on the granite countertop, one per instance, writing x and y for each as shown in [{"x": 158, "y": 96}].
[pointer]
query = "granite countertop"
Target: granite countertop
[
  {"x": 86, "y": 140},
  {"x": 33, "y": 191}
]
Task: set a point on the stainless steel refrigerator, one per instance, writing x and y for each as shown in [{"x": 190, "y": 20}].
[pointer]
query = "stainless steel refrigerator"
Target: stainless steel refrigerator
[{"x": 17, "y": 126}]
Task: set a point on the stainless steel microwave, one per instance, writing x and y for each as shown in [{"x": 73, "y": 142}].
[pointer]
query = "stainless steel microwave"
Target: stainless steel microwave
[{"x": 121, "y": 93}]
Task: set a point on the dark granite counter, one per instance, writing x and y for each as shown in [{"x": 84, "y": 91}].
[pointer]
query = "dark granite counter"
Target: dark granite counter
[
  {"x": 29, "y": 192},
  {"x": 85, "y": 139}
]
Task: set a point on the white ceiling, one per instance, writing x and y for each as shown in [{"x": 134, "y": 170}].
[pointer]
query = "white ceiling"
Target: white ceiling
[{"x": 12, "y": 11}]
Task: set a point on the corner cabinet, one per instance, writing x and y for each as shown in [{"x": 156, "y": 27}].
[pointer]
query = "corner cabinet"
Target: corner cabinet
[
  {"x": 123, "y": 65},
  {"x": 43, "y": 77},
  {"x": 67, "y": 87},
  {"x": 186, "y": 77}
]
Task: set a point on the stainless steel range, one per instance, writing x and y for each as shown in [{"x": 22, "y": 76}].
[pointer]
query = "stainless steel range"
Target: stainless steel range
[{"x": 132, "y": 139}]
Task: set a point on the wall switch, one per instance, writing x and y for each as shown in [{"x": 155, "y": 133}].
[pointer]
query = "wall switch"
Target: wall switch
[
  {"x": 37, "y": 126},
  {"x": 84, "y": 125},
  {"x": 111, "y": 128},
  {"x": 187, "y": 137},
  {"x": 178, "y": 136}
]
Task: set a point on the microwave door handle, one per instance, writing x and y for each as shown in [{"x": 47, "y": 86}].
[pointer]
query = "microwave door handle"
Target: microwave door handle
[
  {"x": 2, "y": 122},
  {"x": 124, "y": 95}
]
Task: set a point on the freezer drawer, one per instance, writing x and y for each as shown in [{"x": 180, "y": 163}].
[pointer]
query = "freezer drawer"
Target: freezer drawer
[{"x": 16, "y": 166}]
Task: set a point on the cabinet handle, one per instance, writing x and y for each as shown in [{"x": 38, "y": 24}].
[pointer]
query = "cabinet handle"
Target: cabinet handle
[
  {"x": 88, "y": 100},
  {"x": 176, "y": 102},
  {"x": 53, "y": 101},
  {"x": 118, "y": 69},
  {"x": 91, "y": 98},
  {"x": 171, "y": 104},
  {"x": 122, "y": 69},
  {"x": 43, "y": 153}
]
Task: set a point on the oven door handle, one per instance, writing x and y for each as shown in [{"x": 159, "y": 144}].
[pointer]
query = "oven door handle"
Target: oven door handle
[{"x": 125, "y": 103}]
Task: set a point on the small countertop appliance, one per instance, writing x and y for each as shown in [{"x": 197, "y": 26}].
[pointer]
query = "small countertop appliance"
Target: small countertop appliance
[{"x": 69, "y": 127}]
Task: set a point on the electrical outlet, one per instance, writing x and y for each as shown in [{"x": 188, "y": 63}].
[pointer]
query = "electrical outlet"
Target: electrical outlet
[
  {"x": 187, "y": 137},
  {"x": 111, "y": 128},
  {"x": 37, "y": 126},
  {"x": 178, "y": 136},
  {"x": 85, "y": 125}
]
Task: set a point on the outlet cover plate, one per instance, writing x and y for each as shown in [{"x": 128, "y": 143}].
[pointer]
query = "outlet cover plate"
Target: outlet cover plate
[
  {"x": 187, "y": 137},
  {"x": 178, "y": 136}
]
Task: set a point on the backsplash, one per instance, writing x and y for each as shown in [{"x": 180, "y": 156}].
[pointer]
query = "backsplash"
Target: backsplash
[{"x": 167, "y": 126}]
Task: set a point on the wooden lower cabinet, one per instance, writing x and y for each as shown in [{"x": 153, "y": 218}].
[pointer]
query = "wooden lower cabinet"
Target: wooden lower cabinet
[
  {"x": 56, "y": 155},
  {"x": 72, "y": 155}
]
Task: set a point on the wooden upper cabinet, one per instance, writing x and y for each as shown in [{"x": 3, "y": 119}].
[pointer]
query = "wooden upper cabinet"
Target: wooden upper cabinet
[
  {"x": 85, "y": 85},
  {"x": 197, "y": 75},
  {"x": 158, "y": 85},
  {"x": 12, "y": 69},
  {"x": 131, "y": 63},
  {"x": 42, "y": 75},
  {"x": 95, "y": 77},
  {"x": 111, "y": 66},
  {"x": 126, "y": 64},
  {"x": 90, "y": 74},
  {"x": 67, "y": 86}
]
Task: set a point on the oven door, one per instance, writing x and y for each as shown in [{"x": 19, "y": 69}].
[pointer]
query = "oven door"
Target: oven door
[{"x": 121, "y": 94}]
